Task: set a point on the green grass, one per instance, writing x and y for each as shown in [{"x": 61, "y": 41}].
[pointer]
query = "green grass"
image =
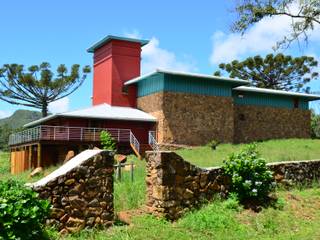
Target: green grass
[
  {"x": 299, "y": 219},
  {"x": 272, "y": 151}
]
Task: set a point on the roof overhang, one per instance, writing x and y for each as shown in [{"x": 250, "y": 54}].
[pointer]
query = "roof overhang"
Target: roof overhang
[
  {"x": 109, "y": 38},
  {"x": 310, "y": 97},
  {"x": 233, "y": 81}
]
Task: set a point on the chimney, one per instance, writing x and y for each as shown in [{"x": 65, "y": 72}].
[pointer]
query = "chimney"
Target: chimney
[{"x": 116, "y": 60}]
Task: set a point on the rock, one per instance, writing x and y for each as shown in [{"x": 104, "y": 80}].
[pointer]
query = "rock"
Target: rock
[
  {"x": 75, "y": 224},
  {"x": 37, "y": 171},
  {"x": 94, "y": 203},
  {"x": 57, "y": 213},
  {"x": 188, "y": 194},
  {"x": 77, "y": 202},
  {"x": 69, "y": 182},
  {"x": 120, "y": 158},
  {"x": 69, "y": 155},
  {"x": 64, "y": 232},
  {"x": 64, "y": 218}
]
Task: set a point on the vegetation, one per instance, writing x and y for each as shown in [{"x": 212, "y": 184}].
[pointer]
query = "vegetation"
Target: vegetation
[
  {"x": 272, "y": 151},
  {"x": 38, "y": 86},
  {"x": 107, "y": 141},
  {"x": 213, "y": 144},
  {"x": 305, "y": 16},
  {"x": 274, "y": 71},
  {"x": 251, "y": 180},
  {"x": 298, "y": 219},
  {"x": 20, "y": 118},
  {"x": 315, "y": 125},
  {"x": 22, "y": 213}
]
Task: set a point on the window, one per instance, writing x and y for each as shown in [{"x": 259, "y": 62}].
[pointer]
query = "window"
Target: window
[{"x": 125, "y": 90}]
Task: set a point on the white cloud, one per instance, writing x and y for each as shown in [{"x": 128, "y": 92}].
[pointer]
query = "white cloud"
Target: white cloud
[
  {"x": 153, "y": 56},
  {"x": 259, "y": 39},
  {"x": 61, "y": 105},
  {"x": 4, "y": 114}
]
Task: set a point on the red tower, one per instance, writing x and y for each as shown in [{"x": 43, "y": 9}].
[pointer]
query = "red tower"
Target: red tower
[{"x": 116, "y": 60}]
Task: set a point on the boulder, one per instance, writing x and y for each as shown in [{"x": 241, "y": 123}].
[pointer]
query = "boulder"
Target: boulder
[{"x": 37, "y": 171}]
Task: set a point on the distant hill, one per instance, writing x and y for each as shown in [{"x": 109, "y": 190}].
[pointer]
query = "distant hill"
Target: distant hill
[{"x": 20, "y": 118}]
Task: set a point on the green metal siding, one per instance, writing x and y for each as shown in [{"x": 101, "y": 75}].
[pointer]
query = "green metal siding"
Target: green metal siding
[
  {"x": 151, "y": 85},
  {"x": 196, "y": 86},
  {"x": 260, "y": 99},
  {"x": 162, "y": 82}
]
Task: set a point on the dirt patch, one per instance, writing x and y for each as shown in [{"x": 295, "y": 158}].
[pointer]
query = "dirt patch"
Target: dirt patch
[{"x": 127, "y": 216}]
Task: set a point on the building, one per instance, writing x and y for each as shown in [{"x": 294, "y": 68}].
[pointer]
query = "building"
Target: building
[{"x": 171, "y": 107}]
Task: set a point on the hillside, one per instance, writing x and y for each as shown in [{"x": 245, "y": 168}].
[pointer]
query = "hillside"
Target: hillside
[{"x": 19, "y": 118}]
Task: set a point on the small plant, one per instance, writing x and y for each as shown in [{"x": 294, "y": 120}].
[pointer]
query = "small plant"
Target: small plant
[
  {"x": 251, "y": 180},
  {"x": 213, "y": 144},
  {"x": 22, "y": 213},
  {"x": 107, "y": 141}
]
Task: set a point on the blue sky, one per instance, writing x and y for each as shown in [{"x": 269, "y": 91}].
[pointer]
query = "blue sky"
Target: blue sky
[{"x": 193, "y": 36}]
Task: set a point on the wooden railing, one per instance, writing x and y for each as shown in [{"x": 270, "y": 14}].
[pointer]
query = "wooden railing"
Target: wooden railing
[{"x": 62, "y": 133}]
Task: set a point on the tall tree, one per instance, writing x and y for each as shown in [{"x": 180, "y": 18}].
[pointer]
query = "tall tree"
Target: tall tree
[
  {"x": 38, "y": 86},
  {"x": 274, "y": 71},
  {"x": 305, "y": 16}
]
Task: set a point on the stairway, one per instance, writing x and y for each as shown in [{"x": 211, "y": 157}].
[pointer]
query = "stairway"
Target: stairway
[{"x": 140, "y": 149}]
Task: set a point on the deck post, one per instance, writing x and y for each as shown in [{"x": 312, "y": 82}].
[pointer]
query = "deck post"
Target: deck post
[
  {"x": 30, "y": 157},
  {"x": 39, "y": 155}
]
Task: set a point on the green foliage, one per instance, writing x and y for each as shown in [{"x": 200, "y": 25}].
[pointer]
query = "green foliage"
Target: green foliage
[
  {"x": 20, "y": 118},
  {"x": 315, "y": 125},
  {"x": 107, "y": 141},
  {"x": 22, "y": 213},
  {"x": 281, "y": 72},
  {"x": 5, "y": 132},
  {"x": 250, "y": 177},
  {"x": 38, "y": 86},
  {"x": 305, "y": 15},
  {"x": 213, "y": 144}
]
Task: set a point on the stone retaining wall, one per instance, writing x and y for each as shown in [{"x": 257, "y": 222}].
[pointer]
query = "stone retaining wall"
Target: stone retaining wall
[
  {"x": 81, "y": 192},
  {"x": 175, "y": 186}
]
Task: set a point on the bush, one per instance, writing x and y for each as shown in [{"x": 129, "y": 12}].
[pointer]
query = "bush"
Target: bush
[
  {"x": 213, "y": 144},
  {"x": 107, "y": 141},
  {"x": 250, "y": 177},
  {"x": 315, "y": 125},
  {"x": 22, "y": 213}
]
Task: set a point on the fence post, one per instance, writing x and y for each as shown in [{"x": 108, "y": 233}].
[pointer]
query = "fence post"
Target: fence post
[
  {"x": 119, "y": 171},
  {"x": 131, "y": 171}
]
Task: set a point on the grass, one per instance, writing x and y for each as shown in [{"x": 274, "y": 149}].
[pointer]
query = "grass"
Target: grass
[
  {"x": 299, "y": 219},
  {"x": 272, "y": 151}
]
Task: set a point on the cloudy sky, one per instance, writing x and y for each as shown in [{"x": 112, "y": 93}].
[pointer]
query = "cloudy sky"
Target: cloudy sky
[{"x": 194, "y": 36}]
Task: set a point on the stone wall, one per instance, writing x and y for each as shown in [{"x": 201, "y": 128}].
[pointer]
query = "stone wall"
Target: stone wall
[
  {"x": 81, "y": 192},
  {"x": 254, "y": 123},
  {"x": 174, "y": 186},
  {"x": 190, "y": 119}
]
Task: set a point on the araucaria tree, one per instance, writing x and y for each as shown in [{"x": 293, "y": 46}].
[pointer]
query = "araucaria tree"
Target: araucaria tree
[
  {"x": 38, "y": 86},
  {"x": 274, "y": 71},
  {"x": 304, "y": 15}
]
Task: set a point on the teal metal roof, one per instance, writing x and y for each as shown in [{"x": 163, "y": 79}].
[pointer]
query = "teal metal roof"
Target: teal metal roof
[
  {"x": 310, "y": 97},
  {"x": 111, "y": 37},
  {"x": 232, "y": 81}
]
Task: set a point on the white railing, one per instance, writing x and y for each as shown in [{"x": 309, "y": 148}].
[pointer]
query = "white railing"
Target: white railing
[
  {"x": 62, "y": 133},
  {"x": 152, "y": 141},
  {"x": 134, "y": 142}
]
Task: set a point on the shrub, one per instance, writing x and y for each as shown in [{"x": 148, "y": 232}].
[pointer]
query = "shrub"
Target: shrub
[
  {"x": 22, "y": 213},
  {"x": 213, "y": 144},
  {"x": 315, "y": 125},
  {"x": 107, "y": 141},
  {"x": 250, "y": 177}
]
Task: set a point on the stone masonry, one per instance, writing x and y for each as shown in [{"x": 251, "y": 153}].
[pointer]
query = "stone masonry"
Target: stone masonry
[
  {"x": 190, "y": 119},
  {"x": 174, "y": 186},
  {"x": 254, "y": 123},
  {"x": 81, "y": 192}
]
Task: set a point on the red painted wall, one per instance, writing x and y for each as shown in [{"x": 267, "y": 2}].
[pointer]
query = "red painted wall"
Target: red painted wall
[{"x": 114, "y": 64}]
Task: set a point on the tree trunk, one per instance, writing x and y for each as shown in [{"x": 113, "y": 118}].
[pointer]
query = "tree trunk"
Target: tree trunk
[{"x": 44, "y": 109}]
